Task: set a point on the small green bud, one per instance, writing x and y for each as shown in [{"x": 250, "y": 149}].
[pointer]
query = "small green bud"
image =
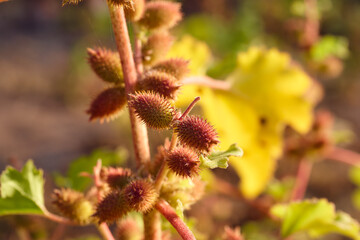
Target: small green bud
[
  {"x": 140, "y": 195},
  {"x": 161, "y": 15},
  {"x": 112, "y": 207},
  {"x": 196, "y": 133},
  {"x": 153, "y": 109},
  {"x": 159, "y": 82},
  {"x": 156, "y": 48},
  {"x": 72, "y": 204},
  {"x": 183, "y": 162},
  {"x": 106, "y": 64},
  {"x": 108, "y": 104},
  {"x": 177, "y": 67}
]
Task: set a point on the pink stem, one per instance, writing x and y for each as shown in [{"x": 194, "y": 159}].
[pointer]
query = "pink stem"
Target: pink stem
[
  {"x": 139, "y": 131},
  {"x": 208, "y": 82},
  {"x": 344, "y": 155},
  {"x": 302, "y": 179},
  {"x": 189, "y": 108},
  {"x": 168, "y": 212},
  {"x": 103, "y": 227}
]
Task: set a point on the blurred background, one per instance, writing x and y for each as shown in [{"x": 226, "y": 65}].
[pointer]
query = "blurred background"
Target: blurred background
[{"x": 46, "y": 84}]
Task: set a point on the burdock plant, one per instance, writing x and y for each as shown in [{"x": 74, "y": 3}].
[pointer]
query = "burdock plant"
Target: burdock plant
[{"x": 148, "y": 84}]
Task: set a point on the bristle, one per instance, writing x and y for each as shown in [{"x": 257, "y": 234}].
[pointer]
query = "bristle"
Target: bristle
[
  {"x": 153, "y": 109},
  {"x": 159, "y": 82},
  {"x": 196, "y": 133},
  {"x": 183, "y": 161},
  {"x": 106, "y": 64},
  {"x": 112, "y": 207},
  {"x": 117, "y": 178},
  {"x": 156, "y": 48},
  {"x": 108, "y": 104},
  {"x": 161, "y": 15},
  {"x": 177, "y": 67},
  {"x": 70, "y": 2},
  {"x": 127, "y": 4},
  {"x": 140, "y": 195}
]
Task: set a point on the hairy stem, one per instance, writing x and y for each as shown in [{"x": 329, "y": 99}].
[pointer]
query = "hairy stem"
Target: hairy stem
[
  {"x": 302, "y": 179},
  {"x": 169, "y": 213},
  {"x": 164, "y": 168},
  {"x": 312, "y": 25},
  {"x": 102, "y": 227},
  {"x": 208, "y": 82},
  {"x": 138, "y": 55},
  {"x": 344, "y": 155},
  {"x": 152, "y": 225},
  {"x": 139, "y": 131},
  {"x": 105, "y": 231}
]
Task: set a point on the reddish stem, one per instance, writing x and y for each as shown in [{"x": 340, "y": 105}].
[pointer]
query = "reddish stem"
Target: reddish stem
[
  {"x": 344, "y": 155},
  {"x": 139, "y": 131},
  {"x": 169, "y": 213},
  {"x": 312, "y": 25},
  {"x": 103, "y": 227},
  {"x": 208, "y": 82},
  {"x": 189, "y": 108},
  {"x": 302, "y": 179}
]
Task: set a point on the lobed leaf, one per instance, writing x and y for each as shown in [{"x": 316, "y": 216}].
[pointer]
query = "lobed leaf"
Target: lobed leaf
[
  {"x": 317, "y": 217},
  {"x": 22, "y": 192},
  {"x": 74, "y": 180},
  {"x": 220, "y": 159}
]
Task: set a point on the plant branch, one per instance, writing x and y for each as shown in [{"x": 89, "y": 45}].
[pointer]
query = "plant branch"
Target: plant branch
[
  {"x": 312, "y": 25},
  {"x": 152, "y": 225},
  {"x": 169, "y": 213},
  {"x": 139, "y": 131},
  {"x": 102, "y": 227},
  {"x": 208, "y": 82},
  {"x": 138, "y": 55},
  {"x": 302, "y": 179},
  {"x": 164, "y": 168},
  {"x": 189, "y": 108},
  {"x": 344, "y": 155}
]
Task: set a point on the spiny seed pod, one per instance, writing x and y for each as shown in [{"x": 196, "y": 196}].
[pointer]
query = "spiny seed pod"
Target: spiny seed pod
[
  {"x": 153, "y": 109},
  {"x": 183, "y": 161},
  {"x": 135, "y": 13},
  {"x": 156, "y": 48},
  {"x": 112, "y": 207},
  {"x": 159, "y": 82},
  {"x": 73, "y": 205},
  {"x": 70, "y": 2},
  {"x": 140, "y": 195},
  {"x": 108, "y": 104},
  {"x": 196, "y": 133},
  {"x": 128, "y": 229},
  {"x": 106, "y": 64},
  {"x": 177, "y": 67},
  {"x": 117, "y": 178},
  {"x": 161, "y": 15},
  {"x": 125, "y": 3}
]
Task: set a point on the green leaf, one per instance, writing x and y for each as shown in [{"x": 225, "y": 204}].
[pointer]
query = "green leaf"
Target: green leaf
[
  {"x": 317, "y": 217},
  {"x": 86, "y": 164},
  {"x": 22, "y": 192},
  {"x": 220, "y": 159},
  {"x": 330, "y": 46}
]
